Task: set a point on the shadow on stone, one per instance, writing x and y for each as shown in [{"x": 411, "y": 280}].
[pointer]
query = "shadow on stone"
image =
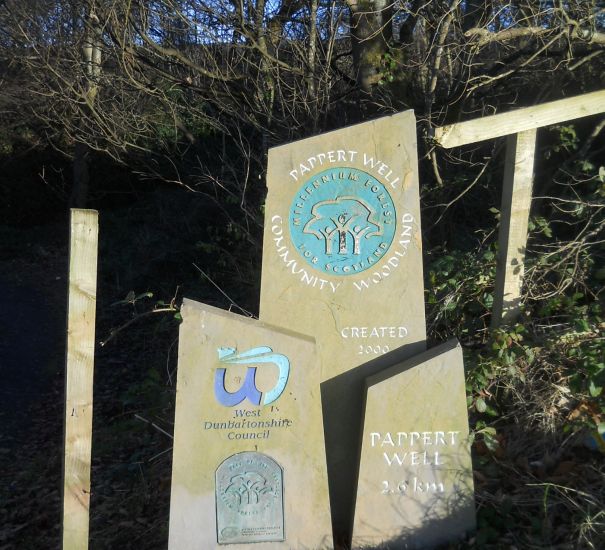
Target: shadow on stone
[
  {"x": 439, "y": 521},
  {"x": 342, "y": 403},
  {"x": 415, "y": 483}
]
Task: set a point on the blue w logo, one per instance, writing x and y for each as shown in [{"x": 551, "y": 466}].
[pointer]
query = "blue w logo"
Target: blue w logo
[{"x": 257, "y": 356}]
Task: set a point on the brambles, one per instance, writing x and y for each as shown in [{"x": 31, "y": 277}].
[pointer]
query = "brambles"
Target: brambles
[{"x": 535, "y": 388}]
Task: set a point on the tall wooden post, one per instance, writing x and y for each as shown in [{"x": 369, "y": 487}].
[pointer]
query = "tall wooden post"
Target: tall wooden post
[
  {"x": 79, "y": 377},
  {"x": 514, "y": 218}
]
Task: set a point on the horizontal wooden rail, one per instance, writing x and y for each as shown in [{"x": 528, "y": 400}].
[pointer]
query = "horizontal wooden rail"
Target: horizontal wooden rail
[
  {"x": 520, "y": 120},
  {"x": 521, "y": 126}
]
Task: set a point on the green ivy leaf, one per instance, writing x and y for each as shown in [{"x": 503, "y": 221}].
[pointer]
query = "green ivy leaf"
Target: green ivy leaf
[
  {"x": 593, "y": 389},
  {"x": 480, "y": 405}
]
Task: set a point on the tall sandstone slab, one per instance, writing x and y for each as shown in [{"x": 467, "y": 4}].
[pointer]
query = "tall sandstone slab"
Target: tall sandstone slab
[
  {"x": 249, "y": 467},
  {"x": 342, "y": 261},
  {"x": 415, "y": 487}
]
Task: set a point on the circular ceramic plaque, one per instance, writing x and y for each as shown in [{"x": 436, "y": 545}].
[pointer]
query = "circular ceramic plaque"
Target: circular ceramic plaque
[{"x": 342, "y": 221}]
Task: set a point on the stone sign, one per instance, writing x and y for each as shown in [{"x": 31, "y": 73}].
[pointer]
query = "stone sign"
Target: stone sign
[
  {"x": 342, "y": 254},
  {"x": 249, "y": 460},
  {"x": 415, "y": 485},
  {"x": 342, "y": 261}
]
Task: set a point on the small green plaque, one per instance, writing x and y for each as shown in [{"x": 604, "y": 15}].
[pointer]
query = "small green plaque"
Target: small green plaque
[{"x": 249, "y": 499}]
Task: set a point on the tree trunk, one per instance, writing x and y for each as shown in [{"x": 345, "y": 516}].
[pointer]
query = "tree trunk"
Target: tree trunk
[
  {"x": 81, "y": 176},
  {"x": 371, "y": 32},
  {"x": 92, "y": 54}
]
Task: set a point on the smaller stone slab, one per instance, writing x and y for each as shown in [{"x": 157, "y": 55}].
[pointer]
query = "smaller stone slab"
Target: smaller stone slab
[
  {"x": 415, "y": 484},
  {"x": 249, "y": 461}
]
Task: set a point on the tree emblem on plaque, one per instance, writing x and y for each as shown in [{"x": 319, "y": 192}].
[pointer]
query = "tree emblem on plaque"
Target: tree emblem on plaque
[
  {"x": 248, "y": 488},
  {"x": 342, "y": 221},
  {"x": 260, "y": 357},
  {"x": 249, "y": 499}
]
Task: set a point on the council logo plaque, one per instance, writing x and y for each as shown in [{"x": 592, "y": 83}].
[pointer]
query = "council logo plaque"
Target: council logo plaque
[
  {"x": 342, "y": 221},
  {"x": 261, "y": 356},
  {"x": 248, "y": 437}
]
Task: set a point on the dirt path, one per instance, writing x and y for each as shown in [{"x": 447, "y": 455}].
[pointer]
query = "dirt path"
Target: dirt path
[
  {"x": 32, "y": 351},
  {"x": 31, "y": 337},
  {"x": 131, "y": 459}
]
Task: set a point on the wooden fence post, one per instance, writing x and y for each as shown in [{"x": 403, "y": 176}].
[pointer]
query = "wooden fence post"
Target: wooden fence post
[
  {"x": 79, "y": 377},
  {"x": 520, "y": 125},
  {"x": 514, "y": 218}
]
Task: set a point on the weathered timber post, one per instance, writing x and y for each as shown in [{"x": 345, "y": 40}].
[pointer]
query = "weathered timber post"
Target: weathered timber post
[
  {"x": 514, "y": 218},
  {"x": 79, "y": 377},
  {"x": 520, "y": 125}
]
